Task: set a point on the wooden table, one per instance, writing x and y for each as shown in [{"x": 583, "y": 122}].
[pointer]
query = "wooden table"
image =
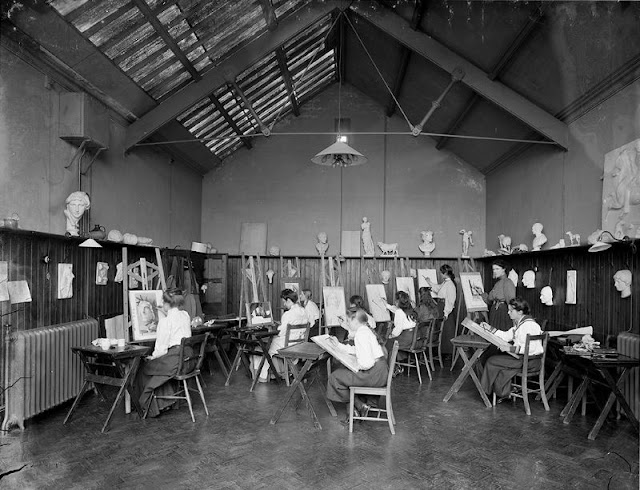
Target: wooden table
[
  {"x": 607, "y": 372},
  {"x": 252, "y": 341},
  {"x": 123, "y": 362},
  {"x": 312, "y": 354},
  {"x": 462, "y": 342},
  {"x": 217, "y": 330}
]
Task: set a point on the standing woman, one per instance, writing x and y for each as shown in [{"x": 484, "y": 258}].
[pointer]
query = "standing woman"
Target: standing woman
[
  {"x": 498, "y": 298},
  {"x": 446, "y": 290},
  {"x": 160, "y": 366}
]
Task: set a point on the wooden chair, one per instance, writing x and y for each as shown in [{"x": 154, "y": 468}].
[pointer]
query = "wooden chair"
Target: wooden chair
[
  {"x": 189, "y": 368},
  {"x": 382, "y": 391},
  {"x": 421, "y": 338},
  {"x": 521, "y": 389},
  {"x": 295, "y": 334},
  {"x": 435, "y": 341}
]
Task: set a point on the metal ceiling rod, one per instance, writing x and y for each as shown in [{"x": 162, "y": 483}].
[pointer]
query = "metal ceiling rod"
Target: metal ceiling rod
[
  {"x": 456, "y": 76},
  {"x": 265, "y": 130}
]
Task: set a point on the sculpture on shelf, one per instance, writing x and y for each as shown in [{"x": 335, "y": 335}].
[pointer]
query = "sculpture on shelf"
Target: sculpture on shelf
[
  {"x": 274, "y": 251},
  {"x": 505, "y": 244},
  {"x": 529, "y": 279},
  {"x": 488, "y": 253},
  {"x": 467, "y": 240},
  {"x": 427, "y": 246},
  {"x": 560, "y": 244},
  {"x": 513, "y": 277},
  {"x": 143, "y": 240},
  {"x": 523, "y": 248},
  {"x": 77, "y": 203},
  {"x": 388, "y": 249},
  {"x": 622, "y": 282},
  {"x": 270, "y": 273},
  {"x": 115, "y": 236},
  {"x": 385, "y": 276},
  {"x": 322, "y": 244},
  {"x": 367, "y": 241},
  {"x": 413, "y": 273},
  {"x": 130, "y": 239},
  {"x": 540, "y": 239},
  {"x": 574, "y": 239},
  {"x": 546, "y": 296}
]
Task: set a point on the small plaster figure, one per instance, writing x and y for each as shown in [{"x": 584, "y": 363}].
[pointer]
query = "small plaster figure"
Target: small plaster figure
[
  {"x": 560, "y": 244},
  {"x": 77, "y": 203},
  {"x": 413, "y": 273},
  {"x": 274, "y": 251},
  {"x": 523, "y": 248},
  {"x": 385, "y": 276},
  {"x": 427, "y": 246},
  {"x": 574, "y": 239},
  {"x": 388, "y": 249},
  {"x": 505, "y": 244},
  {"x": 513, "y": 277},
  {"x": 270, "y": 273},
  {"x": 622, "y": 282},
  {"x": 488, "y": 253},
  {"x": 367, "y": 241},
  {"x": 546, "y": 296},
  {"x": 467, "y": 239},
  {"x": 540, "y": 239},
  {"x": 322, "y": 244},
  {"x": 529, "y": 279}
]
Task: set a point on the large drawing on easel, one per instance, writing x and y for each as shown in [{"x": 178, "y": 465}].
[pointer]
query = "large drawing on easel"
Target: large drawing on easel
[
  {"x": 471, "y": 283},
  {"x": 377, "y": 298},
  {"x": 334, "y": 305},
  {"x": 146, "y": 312},
  {"x": 406, "y": 284}
]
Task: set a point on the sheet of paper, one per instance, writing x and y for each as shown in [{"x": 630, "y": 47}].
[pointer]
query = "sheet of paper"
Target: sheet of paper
[
  {"x": 377, "y": 298},
  {"x": 65, "y": 281},
  {"x": 19, "y": 292},
  {"x": 571, "y": 287},
  {"x": 4, "y": 278},
  {"x": 333, "y": 347}
]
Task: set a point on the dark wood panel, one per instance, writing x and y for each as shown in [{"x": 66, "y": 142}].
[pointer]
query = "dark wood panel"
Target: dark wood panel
[{"x": 598, "y": 302}]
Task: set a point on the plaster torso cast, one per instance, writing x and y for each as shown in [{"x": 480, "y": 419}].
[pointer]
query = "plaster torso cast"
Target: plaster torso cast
[
  {"x": 367, "y": 241},
  {"x": 467, "y": 239}
]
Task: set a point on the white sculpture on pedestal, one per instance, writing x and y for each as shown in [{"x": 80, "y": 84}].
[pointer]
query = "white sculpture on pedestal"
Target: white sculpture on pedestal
[
  {"x": 322, "y": 244},
  {"x": 574, "y": 239},
  {"x": 467, "y": 239},
  {"x": 540, "y": 239},
  {"x": 367, "y": 241},
  {"x": 427, "y": 246},
  {"x": 385, "y": 276},
  {"x": 77, "y": 203},
  {"x": 505, "y": 244},
  {"x": 622, "y": 282}
]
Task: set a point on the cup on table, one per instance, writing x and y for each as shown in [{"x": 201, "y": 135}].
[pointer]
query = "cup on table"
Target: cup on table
[{"x": 120, "y": 342}]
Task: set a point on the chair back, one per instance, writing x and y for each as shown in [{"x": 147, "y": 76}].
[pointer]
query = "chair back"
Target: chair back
[
  {"x": 192, "y": 353},
  {"x": 392, "y": 361},
  {"x": 544, "y": 337},
  {"x": 435, "y": 335},
  {"x": 297, "y": 334},
  {"x": 422, "y": 334}
]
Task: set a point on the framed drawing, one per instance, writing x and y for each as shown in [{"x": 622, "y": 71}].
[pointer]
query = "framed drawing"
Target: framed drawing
[
  {"x": 146, "y": 312},
  {"x": 334, "y": 305},
  {"x": 259, "y": 313},
  {"x": 406, "y": 284},
  {"x": 101, "y": 273},
  {"x": 377, "y": 298},
  {"x": 471, "y": 283},
  {"x": 571, "y": 287}
]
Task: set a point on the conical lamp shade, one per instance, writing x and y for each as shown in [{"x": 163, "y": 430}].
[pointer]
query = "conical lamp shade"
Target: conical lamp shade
[{"x": 339, "y": 155}]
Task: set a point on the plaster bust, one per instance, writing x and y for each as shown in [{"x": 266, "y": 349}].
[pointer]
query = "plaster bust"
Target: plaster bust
[
  {"x": 540, "y": 239},
  {"x": 77, "y": 203},
  {"x": 505, "y": 244},
  {"x": 322, "y": 244},
  {"x": 270, "y": 273},
  {"x": 622, "y": 282},
  {"x": 385, "y": 276},
  {"x": 529, "y": 279},
  {"x": 546, "y": 296},
  {"x": 427, "y": 246}
]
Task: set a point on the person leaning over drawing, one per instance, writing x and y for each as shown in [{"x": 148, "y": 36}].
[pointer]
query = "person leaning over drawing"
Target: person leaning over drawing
[{"x": 500, "y": 369}]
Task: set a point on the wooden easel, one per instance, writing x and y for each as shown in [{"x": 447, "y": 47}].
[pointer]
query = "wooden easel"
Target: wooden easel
[{"x": 252, "y": 282}]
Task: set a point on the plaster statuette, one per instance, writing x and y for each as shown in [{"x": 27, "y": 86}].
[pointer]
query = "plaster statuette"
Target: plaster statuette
[
  {"x": 513, "y": 277},
  {"x": 322, "y": 244},
  {"x": 529, "y": 279},
  {"x": 540, "y": 239},
  {"x": 523, "y": 248},
  {"x": 574, "y": 239},
  {"x": 505, "y": 244},
  {"x": 622, "y": 282},
  {"x": 560, "y": 244},
  {"x": 385, "y": 276},
  {"x": 270, "y": 273},
  {"x": 77, "y": 203},
  {"x": 388, "y": 249},
  {"x": 488, "y": 253},
  {"x": 546, "y": 296},
  {"x": 427, "y": 246},
  {"x": 467, "y": 239},
  {"x": 367, "y": 241},
  {"x": 274, "y": 251}
]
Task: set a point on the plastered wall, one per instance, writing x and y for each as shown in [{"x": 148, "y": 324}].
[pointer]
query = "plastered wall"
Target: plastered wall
[
  {"x": 142, "y": 193},
  {"x": 406, "y": 186},
  {"x": 562, "y": 190}
]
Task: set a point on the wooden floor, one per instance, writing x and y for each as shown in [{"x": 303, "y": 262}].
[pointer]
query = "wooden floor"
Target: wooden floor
[{"x": 458, "y": 445}]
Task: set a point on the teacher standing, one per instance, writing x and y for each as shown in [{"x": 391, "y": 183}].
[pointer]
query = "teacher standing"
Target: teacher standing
[{"x": 498, "y": 298}]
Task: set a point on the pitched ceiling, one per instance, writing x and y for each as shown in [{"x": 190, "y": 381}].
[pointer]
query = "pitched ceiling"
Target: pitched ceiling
[{"x": 227, "y": 70}]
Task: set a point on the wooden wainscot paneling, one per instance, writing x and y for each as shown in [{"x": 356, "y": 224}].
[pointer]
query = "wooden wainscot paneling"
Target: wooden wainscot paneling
[{"x": 598, "y": 303}]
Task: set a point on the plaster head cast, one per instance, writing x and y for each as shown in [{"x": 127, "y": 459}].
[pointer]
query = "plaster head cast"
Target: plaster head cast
[
  {"x": 546, "y": 296},
  {"x": 540, "y": 239},
  {"x": 529, "y": 279},
  {"x": 513, "y": 277},
  {"x": 385, "y": 276},
  {"x": 427, "y": 246},
  {"x": 322, "y": 244},
  {"x": 270, "y": 273},
  {"x": 622, "y": 282},
  {"x": 77, "y": 203},
  {"x": 413, "y": 273}
]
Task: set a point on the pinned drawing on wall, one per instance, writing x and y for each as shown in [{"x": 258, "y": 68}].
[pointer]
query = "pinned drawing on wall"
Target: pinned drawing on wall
[
  {"x": 294, "y": 286},
  {"x": 513, "y": 277},
  {"x": 65, "y": 281},
  {"x": 146, "y": 313},
  {"x": 334, "y": 305},
  {"x": 4, "y": 279},
  {"x": 101, "y": 273},
  {"x": 471, "y": 288},
  {"x": 406, "y": 284},
  {"x": 19, "y": 292},
  {"x": 377, "y": 299},
  {"x": 571, "y": 287}
]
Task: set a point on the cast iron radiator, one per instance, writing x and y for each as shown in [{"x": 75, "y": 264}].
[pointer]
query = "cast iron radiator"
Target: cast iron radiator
[
  {"x": 629, "y": 345},
  {"x": 42, "y": 370}
]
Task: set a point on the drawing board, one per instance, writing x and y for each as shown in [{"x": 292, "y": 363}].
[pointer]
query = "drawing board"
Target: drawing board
[
  {"x": 334, "y": 305},
  {"x": 473, "y": 300},
  {"x": 406, "y": 284},
  {"x": 377, "y": 298}
]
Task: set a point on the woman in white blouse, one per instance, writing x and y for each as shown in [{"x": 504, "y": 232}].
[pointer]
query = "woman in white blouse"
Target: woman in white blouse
[
  {"x": 446, "y": 289},
  {"x": 373, "y": 369},
  {"x": 163, "y": 363},
  {"x": 500, "y": 369},
  {"x": 404, "y": 321}
]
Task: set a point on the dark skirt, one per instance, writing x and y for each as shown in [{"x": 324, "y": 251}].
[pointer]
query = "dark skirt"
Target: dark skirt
[
  {"x": 404, "y": 340},
  {"x": 499, "y": 316},
  {"x": 342, "y": 378},
  {"x": 499, "y": 371},
  {"x": 448, "y": 332}
]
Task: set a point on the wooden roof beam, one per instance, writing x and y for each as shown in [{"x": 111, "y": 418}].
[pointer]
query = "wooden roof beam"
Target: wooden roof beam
[
  {"x": 227, "y": 70},
  {"x": 496, "y": 92},
  {"x": 247, "y": 103},
  {"x": 269, "y": 14},
  {"x": 232, "y": 124},
  {"x": 288, "y": 82}
]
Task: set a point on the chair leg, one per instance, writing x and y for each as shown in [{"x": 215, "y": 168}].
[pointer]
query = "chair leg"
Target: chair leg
[
  {"x": 426, "y": 363},
  {"x": 494, "y": 398},
  {"x": 204, "y": 403},
  {"x": 525, "y": 395},
  {"x": 286, "y": 372},
  {"x": 433, "y": 368},
  {"x": 188, "y": 396},
  {"x": 390, "y": 417},
  {"x": 440, "y": 355},
  {"x": 350, "y": 408},
  {"x": 415, "y": 354},
  {"x": 543, "y": 393}
]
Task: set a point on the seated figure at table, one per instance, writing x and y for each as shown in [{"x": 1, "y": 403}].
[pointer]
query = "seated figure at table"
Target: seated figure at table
[
  {"x": 500, "y": 369},
  {"x": 428, "y": 307},
  {"x": 163, "y": 363},
  {"x": 373, "y": 369},
  {"x": 357, "y": 301},
  {"x": 313, "y": 312},
  {"x": 294, "y": 315}
]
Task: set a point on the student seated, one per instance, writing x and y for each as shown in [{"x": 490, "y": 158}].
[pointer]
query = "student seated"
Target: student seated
[
  {"x": 163, "y": 363},
  {"x": 428, "y": 308},
  {"x": 500, "y": 369},
  {"x": 371, "y": 362},
  {"x": 357, "y": 301},
  {"x": 313, "y": 312},
  {"x": 404, "y": 321}
]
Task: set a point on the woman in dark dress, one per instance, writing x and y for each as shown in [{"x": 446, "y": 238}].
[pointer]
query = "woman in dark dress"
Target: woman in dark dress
[{"x": 498, "y": 298}]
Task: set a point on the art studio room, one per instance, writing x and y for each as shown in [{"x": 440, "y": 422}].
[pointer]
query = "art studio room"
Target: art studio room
[{"x": 256, "y": 244}]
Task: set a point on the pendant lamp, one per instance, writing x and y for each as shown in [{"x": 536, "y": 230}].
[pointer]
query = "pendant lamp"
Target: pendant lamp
[{"x": 339, "y": 154}]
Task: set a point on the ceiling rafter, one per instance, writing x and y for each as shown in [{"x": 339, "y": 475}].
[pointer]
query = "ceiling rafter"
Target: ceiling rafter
[
  {"x": 476, "y": 79},
  {"x": 247, "y": 103},
  {"x": 269, "y": 14},
  {"x": 223, "y": 112},
  {"x": 288, "y": 82},
  {"x": 98, "y": 26}
]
